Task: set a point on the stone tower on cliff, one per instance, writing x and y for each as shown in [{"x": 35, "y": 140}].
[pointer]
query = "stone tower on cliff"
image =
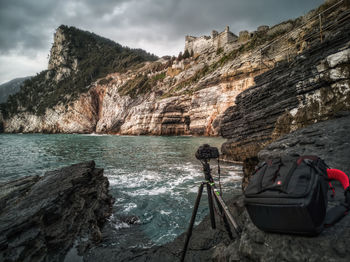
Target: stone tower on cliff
[{"x": 198, "y": 45}]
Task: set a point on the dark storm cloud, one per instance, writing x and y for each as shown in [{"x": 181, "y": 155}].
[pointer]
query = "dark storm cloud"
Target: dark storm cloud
[
  {"x": 23, "y": 24},
  {"x": 159, "y": 26},
  {"x": 27, "y": 23}
]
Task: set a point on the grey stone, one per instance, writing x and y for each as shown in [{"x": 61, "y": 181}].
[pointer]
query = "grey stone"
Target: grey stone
[
  {"x": 333, "y": 140},
  {"x": 288, "y": 97},
  {"x": 41, "y": 218}
]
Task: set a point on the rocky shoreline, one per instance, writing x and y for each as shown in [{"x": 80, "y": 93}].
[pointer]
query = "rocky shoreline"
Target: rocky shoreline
[{"x": 44, "y": 218}]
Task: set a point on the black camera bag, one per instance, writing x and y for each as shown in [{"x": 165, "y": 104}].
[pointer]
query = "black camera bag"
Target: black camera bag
[{"x": 289, "y": 195}]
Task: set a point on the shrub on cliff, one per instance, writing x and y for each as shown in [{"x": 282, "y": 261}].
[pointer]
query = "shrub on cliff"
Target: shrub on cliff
[
  {"x": 186, "y": 54},
  {"x": 141, "y": 84}
]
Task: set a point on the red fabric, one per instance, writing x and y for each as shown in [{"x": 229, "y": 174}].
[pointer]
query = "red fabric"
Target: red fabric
[
  {"x": 340, "y": 176},
  {"x": 331, "y": 187}
]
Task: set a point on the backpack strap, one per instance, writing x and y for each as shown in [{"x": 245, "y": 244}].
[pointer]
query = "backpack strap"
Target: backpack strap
[
  {"x": 336, "y": 213},
  {"x": 336, "y": 174}
]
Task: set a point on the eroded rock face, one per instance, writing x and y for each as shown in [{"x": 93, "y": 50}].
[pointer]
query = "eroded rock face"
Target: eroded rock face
[
  {"x": 60, "y": 59},
  {"x": 293, "y": 95},
  {"x": 177, "y": 115},
  {"x": 103, "y": 109},
  {"x": 330, "y": 140},
  {"x": 42, "y": 217},
  {"x": 78, "y": 117}
]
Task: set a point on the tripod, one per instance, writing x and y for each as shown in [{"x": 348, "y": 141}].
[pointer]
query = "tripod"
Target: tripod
[{"x": 212, "y": 191}]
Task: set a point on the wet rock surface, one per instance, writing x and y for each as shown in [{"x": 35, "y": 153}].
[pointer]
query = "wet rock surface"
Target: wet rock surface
[
  {"x": 41, "y": 218},
  {"x": 330, "y": 140}
]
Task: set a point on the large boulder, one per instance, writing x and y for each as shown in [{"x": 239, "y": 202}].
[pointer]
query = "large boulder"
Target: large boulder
[{"x": 42, "y": 218}]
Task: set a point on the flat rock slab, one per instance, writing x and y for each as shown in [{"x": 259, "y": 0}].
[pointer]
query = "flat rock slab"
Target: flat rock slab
[
  {"x": 329, "y": 140},
  {"x": 42, "y": 217}
]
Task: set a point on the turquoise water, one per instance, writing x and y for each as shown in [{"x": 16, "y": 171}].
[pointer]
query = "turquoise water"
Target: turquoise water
[{"x": 153, "y": 178}]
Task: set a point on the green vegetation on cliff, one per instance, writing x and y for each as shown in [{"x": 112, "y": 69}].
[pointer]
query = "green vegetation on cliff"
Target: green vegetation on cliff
[
  {"x": 95, "y": 57},
  {"x": 141, "y": 84}
]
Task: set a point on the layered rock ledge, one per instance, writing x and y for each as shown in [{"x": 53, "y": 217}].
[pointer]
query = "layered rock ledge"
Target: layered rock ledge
[
  {"x": 311, "y": 88},
  {"x": 42, "y": 218}
]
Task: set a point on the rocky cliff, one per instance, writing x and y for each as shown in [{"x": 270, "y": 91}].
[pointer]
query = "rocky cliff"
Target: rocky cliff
[
  {"x": 184, "y": 96},
  {"x": 44, "y": 218},
  {"x": 314, "y": 86},
  {"x": 59, "y": 99}
]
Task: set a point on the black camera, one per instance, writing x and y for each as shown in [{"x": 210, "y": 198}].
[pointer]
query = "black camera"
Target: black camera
[{"x": 206, "y": 152}]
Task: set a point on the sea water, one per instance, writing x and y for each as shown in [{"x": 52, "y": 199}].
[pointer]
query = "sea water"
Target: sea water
[{"x": 153, "y": 179}]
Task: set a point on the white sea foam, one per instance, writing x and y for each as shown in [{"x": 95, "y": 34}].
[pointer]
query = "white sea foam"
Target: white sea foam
[
  {"x": 118, "y": 200},
  {"x": 118, "y": 177},
  {"x": 148, "y": 192},
  {"x": 95, "y": 134},
  {"x": 233, "y": 177},
  {"x": 120, "y": 225},
  {"x": 129, "y": 206},
  {"x": 163, "y": 212},
  {"x": 167, "y": 237},
  {"x": 117, "y": 224},
  {"x": 152, "y": 183},
  {"x": 193, "y": 189}
]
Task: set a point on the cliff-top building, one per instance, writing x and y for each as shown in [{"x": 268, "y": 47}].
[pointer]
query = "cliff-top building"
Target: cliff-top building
[{"x": 197, "y": 45}]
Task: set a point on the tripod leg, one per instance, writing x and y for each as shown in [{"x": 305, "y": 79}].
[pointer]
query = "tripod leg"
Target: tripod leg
[
  {"x": 227, "y": 213},
  {"x": 227, "y": 225},
  {"x": 211, "y": 206},
  {"x": 194, "y": 213}
]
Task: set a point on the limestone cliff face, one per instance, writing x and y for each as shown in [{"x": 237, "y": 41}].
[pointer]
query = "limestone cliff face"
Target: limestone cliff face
[
  {"x": 152, "y": 113},
  {"x": 313, "y": 88},
  {"x": 78, "y": 117},
  {"x": 166, "y": 97},
  {"x": 61, "y": 61}
]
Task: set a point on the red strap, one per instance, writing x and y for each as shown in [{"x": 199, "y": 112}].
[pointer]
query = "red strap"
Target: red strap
[
  {"x": 340, "y": 176},
  {"x": 332, "y": 188}
]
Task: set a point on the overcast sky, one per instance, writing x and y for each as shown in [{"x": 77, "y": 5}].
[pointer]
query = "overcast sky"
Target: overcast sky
[{"x": 158, "y": 26}]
